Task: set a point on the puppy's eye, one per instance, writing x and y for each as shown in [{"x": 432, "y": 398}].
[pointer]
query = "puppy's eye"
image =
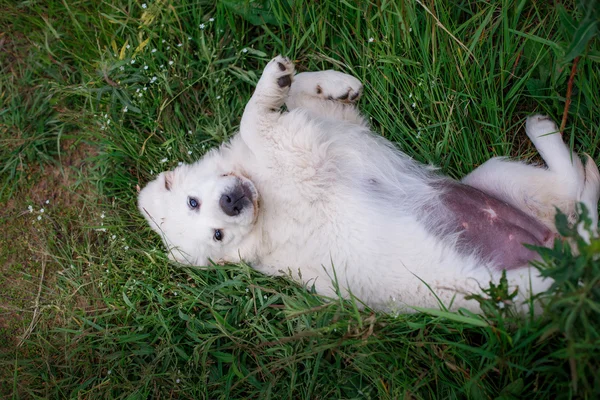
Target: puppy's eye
[
  {"x": 193, "y": 203},
  {"x": 218, "y": 235}
]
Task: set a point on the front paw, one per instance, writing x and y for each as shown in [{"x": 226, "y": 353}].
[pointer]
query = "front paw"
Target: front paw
[
  {"x": 328, "y": 85},
  {"x": 279, "y": 70}
]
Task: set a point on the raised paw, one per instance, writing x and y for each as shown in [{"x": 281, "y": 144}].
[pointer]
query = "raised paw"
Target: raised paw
[
  {"x": 539, "y": 125},
  {"x": 279, "y": 70},
  {"x": 328, "y": 85}
]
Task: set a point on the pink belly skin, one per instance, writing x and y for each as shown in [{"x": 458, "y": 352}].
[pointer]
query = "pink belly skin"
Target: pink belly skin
[{"x": 491, "y": 227}]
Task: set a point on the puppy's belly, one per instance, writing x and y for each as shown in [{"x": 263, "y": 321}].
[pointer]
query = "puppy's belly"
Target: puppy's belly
[{"x": 491, "y": 227}]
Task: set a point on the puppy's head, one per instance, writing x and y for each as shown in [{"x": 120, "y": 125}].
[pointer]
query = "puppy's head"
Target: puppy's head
[{"x": 200, "y": 211}]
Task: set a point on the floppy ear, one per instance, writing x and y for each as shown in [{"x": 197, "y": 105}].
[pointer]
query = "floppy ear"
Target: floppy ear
[{"x": 168, "y": 179}]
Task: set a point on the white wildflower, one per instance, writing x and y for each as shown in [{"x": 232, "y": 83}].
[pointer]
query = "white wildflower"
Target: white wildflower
[
  {"x": 125, "y": 109},
  {"x": 190, "y": 152},
  {"x": 42, "y": 210},
  {"x": 113, "y": 237},
  {"x": 128, "y": 46},
  {"x": 414, "y": 105},
  {"x": 371, "y": 40},
  {"x": 180, "y": 163},
  {"x": 211, "y": 20},
  {"x": 164, "y": 160},
  {"x": 170, "y": 62},
  {"x": 501, "y": 305},
  {"x": 133, "y": 61},
  {"x": 202, "y": 26},
  {"x": 47, "y": 201},
  {"x": 30, "y": 208},
  {"x": 218, "y": 97},
  {"x": 179, "y": 44},
  {"x": 122, "y": 68},
  {"x": 126, "y": 248},
  {"x": 39, "y": 217},
  {"x": 102, "y": 215},
  {"x": 145, "y": 67},
  {"x": 244, "y": 50},
  {"x": 144, "y": 5},
  {"x": 153, "y": 51}
]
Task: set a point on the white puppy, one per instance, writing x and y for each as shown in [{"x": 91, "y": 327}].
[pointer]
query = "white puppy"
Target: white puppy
[{"x": 314, "y": 194}]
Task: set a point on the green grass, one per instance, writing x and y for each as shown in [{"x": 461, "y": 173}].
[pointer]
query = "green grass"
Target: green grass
[{"x": 450, "y": 82}]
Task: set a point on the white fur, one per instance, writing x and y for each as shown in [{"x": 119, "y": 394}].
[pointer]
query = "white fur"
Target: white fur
[{"x": 334, "y": 200}]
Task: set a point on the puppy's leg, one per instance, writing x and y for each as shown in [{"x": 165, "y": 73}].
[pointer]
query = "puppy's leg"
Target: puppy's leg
[
  {"x": 537, "y": 191},
  {"x": 259, "y": 121},
  {"x": 328, "y": 94}
]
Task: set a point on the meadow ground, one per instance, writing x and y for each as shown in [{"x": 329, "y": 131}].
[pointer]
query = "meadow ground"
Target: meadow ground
[{"x": 97, "y": 97}]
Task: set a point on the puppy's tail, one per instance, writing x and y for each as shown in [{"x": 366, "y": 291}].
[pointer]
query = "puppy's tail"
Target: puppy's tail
[{"x": 590, "y": 195}]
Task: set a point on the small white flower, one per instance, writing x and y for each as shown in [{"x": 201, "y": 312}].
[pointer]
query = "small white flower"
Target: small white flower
[
  {"x": 371, "y": 40},
  {"x": 39, "y": 217},
  {"x": 190, "y": 152},
  {"x": 128, "y": 46},
  {"x": 202, "y": 26},
  {"x": 144, "y": 5},
  {"x": 137, "y": 90},
  {"x": 30, "y": 208},
  {"x": 175, "y": 293},
  {"x": 414, "y": 105},
  {"x": 170, "y": 62},
  {"x": 410, "y": 95},
  {"x": 247, "y": 290},
  {"x": 140, "y": 95},
  {"x": 133, "y": 61},
  {"x": 151, "y": 172},
  {"x": 163, "y": 40},
  {"x": 126, "y": 248},
  {"x": 410, "y": 29},
  {"x": 154, "y": 78},
  {"x": 164, "y": 160},
  {"x": 47, "y": 201},
  {"x": 189, "y": 132},
  {"x": 265, "y": 297},
  {"x": 211, "y": 20},
  {"x": 218, "y": 97},
  {"x": 162, "y": 66},
  {"x": 180, "y": 163},
  {"x": 109, "y": 372},
  {"x": 102, "y": 215},
  {"x": 122, "y": 68},
  {"x": 179, "y": 44},
  {"x": 178, "y": 380},
  {"x": 501, "y": 305},
  {"x": 125, "y": 109},
  {"x": 113, "y": 237},
  {"x": 108, "y": 122},
  {"x": 189, "y": 38},
  {"x": 42, "y": 210},
  {"x": 153, "y": 51},
  {"x": 145, "y": 88},
  {"x": 244, "y": 50},
  {"x": 168, "y": 47},
  {"x": 145, "y": 67}
]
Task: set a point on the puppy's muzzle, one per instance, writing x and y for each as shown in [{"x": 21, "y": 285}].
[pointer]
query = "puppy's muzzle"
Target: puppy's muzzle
[{"x": 236, "y": 200}]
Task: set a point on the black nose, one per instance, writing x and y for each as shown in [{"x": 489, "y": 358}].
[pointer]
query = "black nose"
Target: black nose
[{"x": 233, "y": 202}]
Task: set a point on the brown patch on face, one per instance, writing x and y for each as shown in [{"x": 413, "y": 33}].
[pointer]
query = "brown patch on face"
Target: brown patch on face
[{"x": 168, "y": 180}]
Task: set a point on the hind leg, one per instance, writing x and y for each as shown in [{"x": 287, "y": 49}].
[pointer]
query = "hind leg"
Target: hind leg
[
  {"x": 535, "y": 190},
  {"x": 327, "y": 94}
]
